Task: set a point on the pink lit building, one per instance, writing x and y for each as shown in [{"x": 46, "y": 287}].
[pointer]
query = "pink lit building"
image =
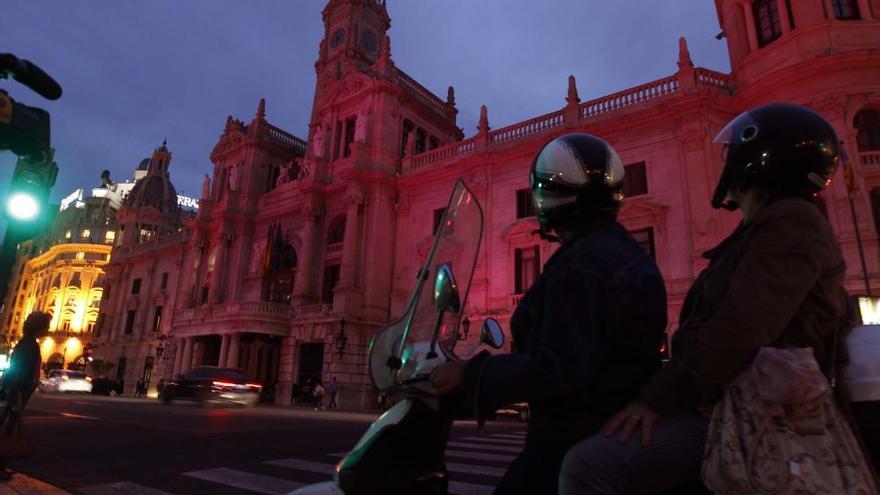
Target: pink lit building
[{"x": 298, "y": 242}]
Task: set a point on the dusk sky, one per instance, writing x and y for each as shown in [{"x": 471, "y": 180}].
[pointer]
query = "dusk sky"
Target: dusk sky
[{"x": 137, "y": 72}]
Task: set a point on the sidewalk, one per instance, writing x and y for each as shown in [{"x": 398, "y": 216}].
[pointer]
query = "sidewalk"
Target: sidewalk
[{"x": 21, "y": 484}]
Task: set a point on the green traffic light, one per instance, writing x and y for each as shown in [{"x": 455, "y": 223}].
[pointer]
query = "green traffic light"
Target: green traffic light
[{"x": 22, "y": 206}]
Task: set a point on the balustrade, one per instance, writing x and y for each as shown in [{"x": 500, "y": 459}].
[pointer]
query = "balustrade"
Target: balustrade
[
  {"x": 412, "y": 85},
  {"x": 869, "y": 158},
  {"x": 287, "y": 139},
  {"x": 632, "y": 96},
  {"x": 436, "y": 154},
  {"x": 712, "y": 78},
  {"x": 527, "y": 128},
  {"x": 313, "y": 309}
]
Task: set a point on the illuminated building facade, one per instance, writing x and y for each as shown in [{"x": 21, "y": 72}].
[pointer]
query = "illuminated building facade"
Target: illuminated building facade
[
  {"x": 303, "y": 248},
  {"x": 61, "y": 272}
]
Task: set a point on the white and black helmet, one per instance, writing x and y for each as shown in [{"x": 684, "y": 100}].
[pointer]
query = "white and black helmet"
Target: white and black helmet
[{"x": 576, "y": 177}]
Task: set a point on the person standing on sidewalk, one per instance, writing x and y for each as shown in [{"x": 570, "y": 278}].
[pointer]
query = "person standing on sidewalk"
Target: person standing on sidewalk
[
  {"x": 319, "y": 396},
  {"x": 333, "y": 389},
  {"x": 24, "y": 373}
]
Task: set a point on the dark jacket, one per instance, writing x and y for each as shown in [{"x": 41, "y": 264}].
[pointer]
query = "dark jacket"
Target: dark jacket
[
  {"x": 23, "y": 374},
  {"x": 587, "y": 335},
  {"x": 776, "y": 281}
]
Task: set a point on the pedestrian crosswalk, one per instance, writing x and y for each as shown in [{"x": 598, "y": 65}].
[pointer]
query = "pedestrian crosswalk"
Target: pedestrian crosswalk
[{"x": 475, "y": 463}]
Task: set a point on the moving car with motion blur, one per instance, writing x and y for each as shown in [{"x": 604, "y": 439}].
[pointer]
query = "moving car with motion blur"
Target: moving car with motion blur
[
  {"x": 212, "y": 385},
  {"x": 66, "y": 381}
]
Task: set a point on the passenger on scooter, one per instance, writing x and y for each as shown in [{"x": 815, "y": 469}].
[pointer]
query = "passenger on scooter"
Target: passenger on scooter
[
  {"x": 776, "y": 281},
  {"x": 587, "y": 333}
]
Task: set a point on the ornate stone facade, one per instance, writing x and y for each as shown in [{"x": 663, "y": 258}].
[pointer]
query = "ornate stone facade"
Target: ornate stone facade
[{"x": 299, "y": 242}]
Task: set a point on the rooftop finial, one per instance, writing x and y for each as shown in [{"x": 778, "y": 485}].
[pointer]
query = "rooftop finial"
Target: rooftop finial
[
  {"x": 483, "y": 126},
  {"x": 684, "y": 55},
  {"x": 450, "y": 96},
  {"x": 261, "y": 109},
  {"x": 572, "y": 98}
]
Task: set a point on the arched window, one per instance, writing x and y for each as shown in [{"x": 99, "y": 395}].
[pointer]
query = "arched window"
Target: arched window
[
  {"x": 867, "y": 124},
  {"x": 281, "y": 274},
  {"x": 336, "y": 234}
]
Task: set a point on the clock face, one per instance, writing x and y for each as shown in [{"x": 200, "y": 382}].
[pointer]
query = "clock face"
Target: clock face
[
  {"x": 369, "y": 41},
  {"x": 337, "y": 38}
]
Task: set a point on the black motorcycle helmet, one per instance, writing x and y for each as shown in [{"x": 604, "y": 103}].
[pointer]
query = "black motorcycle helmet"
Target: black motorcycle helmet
[
  {"x": 787, "y": 149},
  {"x": 575, "y": 178}
]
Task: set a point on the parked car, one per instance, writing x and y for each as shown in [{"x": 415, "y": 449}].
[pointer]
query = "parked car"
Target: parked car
[
  {"x": 210, "y": 384},
  {"x": 66, "y": 381},
  {"x": 520, "y": 410},
  {"x": 106, "y": 386}
]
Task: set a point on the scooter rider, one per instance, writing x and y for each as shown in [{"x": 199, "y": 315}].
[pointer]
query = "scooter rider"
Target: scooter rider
[
  {"x": 777, "y": 281},
  {"x": 587, "y": 333}
]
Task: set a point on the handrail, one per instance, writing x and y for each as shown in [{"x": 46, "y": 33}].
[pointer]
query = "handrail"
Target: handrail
[
  {"x": 529, "y": 127},
  {"x": 869, "y": 158},
  {"x": 411, "y": 84},
  {"x": 628, "y": 97},
  {"x": 285, "y": 138},
  {"x": 452, "y": 149}
]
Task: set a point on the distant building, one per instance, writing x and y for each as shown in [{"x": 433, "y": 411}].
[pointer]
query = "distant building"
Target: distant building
[{"x": 295, "y": 236}]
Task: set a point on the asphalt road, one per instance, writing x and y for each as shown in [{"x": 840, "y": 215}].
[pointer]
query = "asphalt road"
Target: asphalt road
[{"x": 100, "y": 445}]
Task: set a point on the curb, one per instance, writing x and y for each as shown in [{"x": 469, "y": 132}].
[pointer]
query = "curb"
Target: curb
[{"x": 21, "y": 484}]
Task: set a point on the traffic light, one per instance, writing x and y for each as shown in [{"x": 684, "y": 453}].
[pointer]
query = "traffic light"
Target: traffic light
[{"x": 29, "y": 189}]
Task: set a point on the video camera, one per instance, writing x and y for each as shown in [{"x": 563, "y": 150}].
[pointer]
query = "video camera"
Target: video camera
[{"x": 24, "y": 130}]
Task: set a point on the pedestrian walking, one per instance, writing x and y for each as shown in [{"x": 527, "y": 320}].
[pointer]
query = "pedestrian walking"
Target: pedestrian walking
[
  {"x": 139, "y": 388},
  {"x": 333, "y": 388},
  {"x": 319, "y": 396},
  {"x": 19, "y": 383}
]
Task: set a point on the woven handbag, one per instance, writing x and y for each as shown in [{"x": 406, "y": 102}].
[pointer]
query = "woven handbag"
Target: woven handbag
[{"x": 776, "y": 430}]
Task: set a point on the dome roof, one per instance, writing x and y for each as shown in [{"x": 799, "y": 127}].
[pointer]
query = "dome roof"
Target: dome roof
[
  {"x": 156, "y": 191},
  {"x": 144, "y": 164}
]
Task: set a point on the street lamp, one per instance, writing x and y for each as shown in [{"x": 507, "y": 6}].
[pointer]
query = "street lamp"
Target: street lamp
[
  {"x": 465, "y": 327},
  {"x": 341, "y": 339}
]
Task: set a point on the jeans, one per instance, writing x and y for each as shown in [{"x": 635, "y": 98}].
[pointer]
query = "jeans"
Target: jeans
[
  {"x": 600, "y": 465},
  {"x": 535, "y": 470}
]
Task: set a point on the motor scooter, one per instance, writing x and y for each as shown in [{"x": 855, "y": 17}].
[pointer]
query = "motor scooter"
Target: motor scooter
[{"x": 402, "y": 452}]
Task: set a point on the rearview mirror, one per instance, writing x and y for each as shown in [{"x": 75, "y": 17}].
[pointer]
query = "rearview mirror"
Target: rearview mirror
[
  {"x": 492, "y": 334},
  {"x": 446, "y": 291}
]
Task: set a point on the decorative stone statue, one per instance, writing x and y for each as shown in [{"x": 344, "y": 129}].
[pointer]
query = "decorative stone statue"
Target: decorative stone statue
[
  {"x": 234, "y": 178},
  {"x": 303, "y": 172},
  {"x": 318, "y": 139},
  {"x": 284, "y": 174},
  {"x": 206, "y": 186},
  {"x": 360, "y": 127}
]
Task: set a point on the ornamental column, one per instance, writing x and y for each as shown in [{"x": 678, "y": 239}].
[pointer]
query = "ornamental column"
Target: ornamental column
[
  {"x": 865, "y": 10},
  {"x": 750, "y": 24},
  {"x": 353, "y": 200},
  {"x": 186, "y": 360},
  {"x": 224, "y": 350},
  {"x": 784, "y": 18},
  {"x": 302, "y": 291},
  {"x": 232, "y": 350}
]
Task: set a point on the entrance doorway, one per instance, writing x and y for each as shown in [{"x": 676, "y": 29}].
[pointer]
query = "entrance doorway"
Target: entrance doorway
[{"x": 311, "y": 363}]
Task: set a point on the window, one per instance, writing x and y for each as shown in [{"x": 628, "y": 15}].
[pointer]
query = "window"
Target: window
[
  {"x": 109, "y": 237},
  {"x": 164, "y": 284},
  {"x": 129, "y": 321},
  {"x": 433, "y": 143},
  {"x": 845, "y": 9},
  {"x": 337, "y": 231},
  {"x": 157, "y": 319},
  {"x": 331, "y": 280},
  {"x": 349, "y": 136},
  {"x": 438, "y": 217},
  {"x": 635, "y": 181},
  {"x": 146, "y": 233},
  {"x": 767, "y": 23},
  {"x": 136, "y": 287},
  {"x": 67, "y": 234},
  {"x": 421, "y": 138},
  {"x": 85, "y": 234},
  {"x": 206, "y": 289},
  {"x": 645, "y": 238},
  {"x": 121, "y": 235},
  {"x": 525, "y": 203},
  {"x": 407, "y": 128},
  {"x": 526, "y": 266},
  {"x": 867, "y": 124},
  {"x": 80, "y": 256}
]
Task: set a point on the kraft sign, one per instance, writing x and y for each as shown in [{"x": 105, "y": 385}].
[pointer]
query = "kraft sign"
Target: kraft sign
[{"x": 187, "y": 202}]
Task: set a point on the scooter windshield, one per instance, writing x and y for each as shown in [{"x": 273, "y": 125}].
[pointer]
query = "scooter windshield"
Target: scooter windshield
[{"x": 456, "y": 243}]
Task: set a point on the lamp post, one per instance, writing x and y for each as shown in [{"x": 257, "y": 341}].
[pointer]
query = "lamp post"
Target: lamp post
[
  {"x": 465, "y": 327},
  {"x": 340, "y": 340}
]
